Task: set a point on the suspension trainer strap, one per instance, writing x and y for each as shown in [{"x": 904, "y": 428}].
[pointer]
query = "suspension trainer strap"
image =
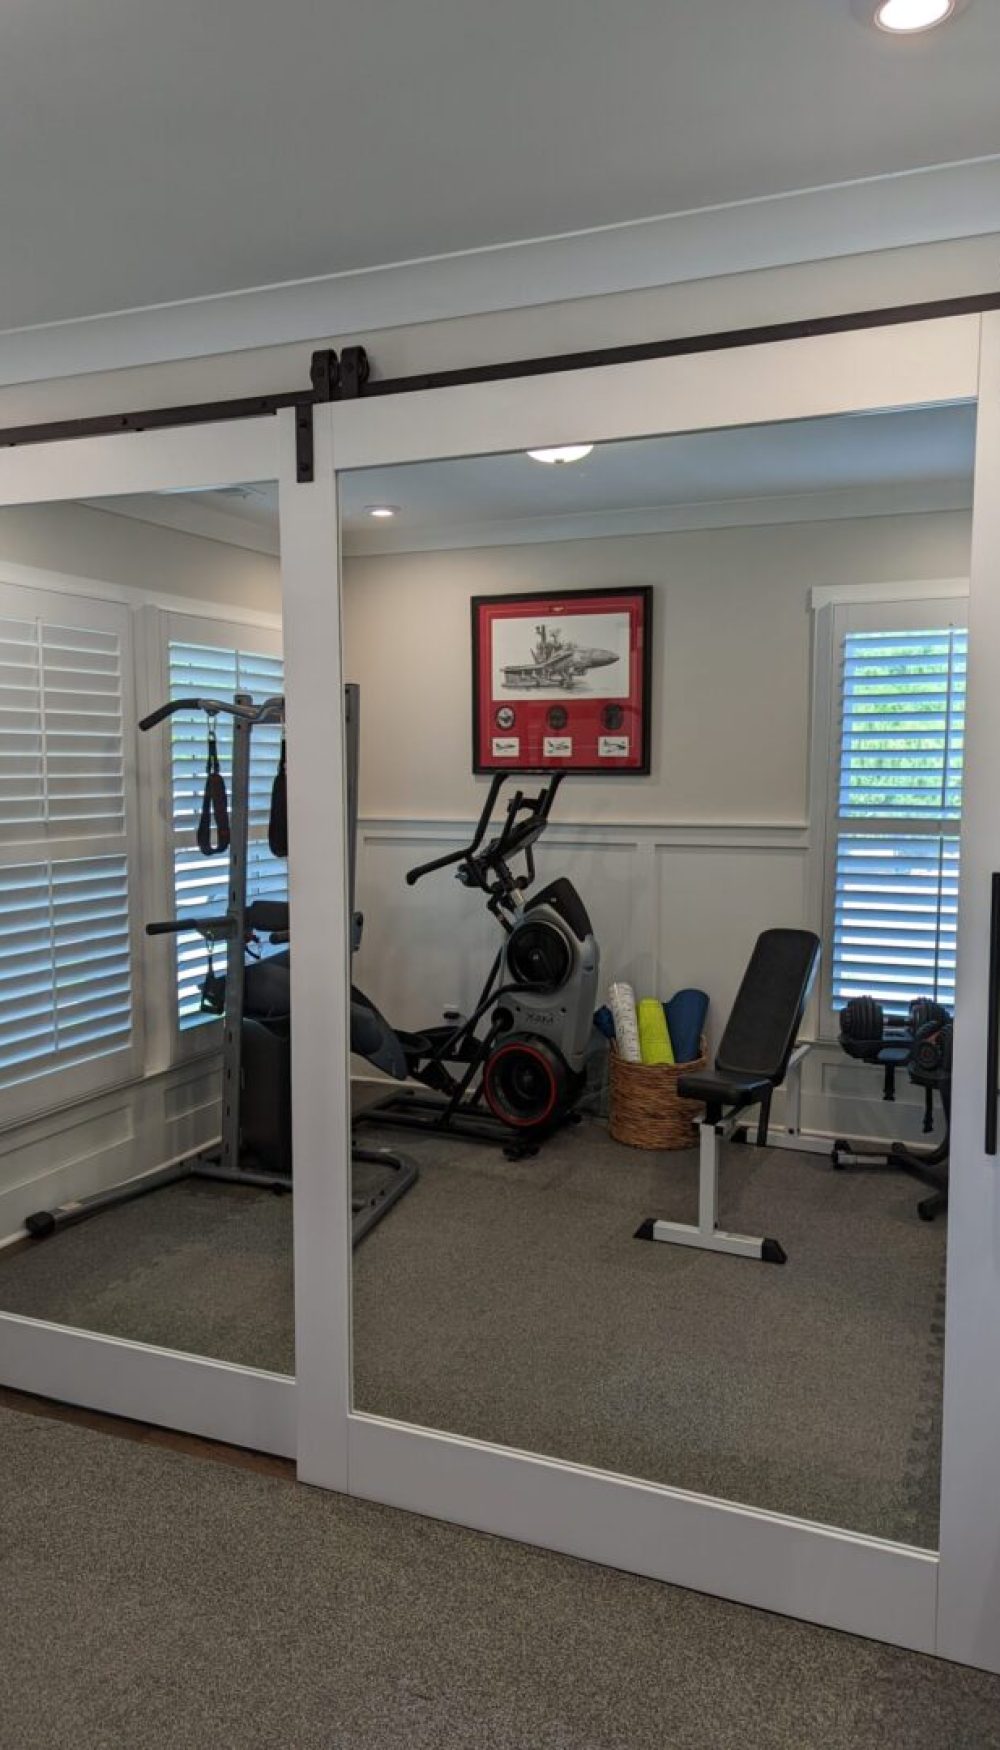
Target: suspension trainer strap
[
  {"x": 277, "y": 826},
  {"x": 214, "y": 803}
]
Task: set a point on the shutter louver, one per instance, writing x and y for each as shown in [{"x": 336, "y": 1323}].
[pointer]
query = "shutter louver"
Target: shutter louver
[
  {"x": 65, "y": 944},
  {"x": 61, "y": 751},
  {"x": 899, "y": 806}
]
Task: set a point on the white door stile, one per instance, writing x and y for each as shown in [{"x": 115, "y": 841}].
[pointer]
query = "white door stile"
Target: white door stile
[
  {"x": 825, "y": 1575},
  {"x": 317, "y": 890},
  {"x": 969, "y": 1608},
  {"x": 195, "y": 1394}
]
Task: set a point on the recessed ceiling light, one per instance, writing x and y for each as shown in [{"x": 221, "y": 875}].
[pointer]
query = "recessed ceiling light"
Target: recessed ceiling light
[
  {"x": 562, "y": 453},
  {"x": 381, "y": 510},
  {"x": 906, "y": 17}
]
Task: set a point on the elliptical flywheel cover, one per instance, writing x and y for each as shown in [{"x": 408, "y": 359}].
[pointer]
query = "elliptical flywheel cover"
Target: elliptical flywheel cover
[
  {"x": 538, "y": 953},
  {"x": 525, "y": 1081}
]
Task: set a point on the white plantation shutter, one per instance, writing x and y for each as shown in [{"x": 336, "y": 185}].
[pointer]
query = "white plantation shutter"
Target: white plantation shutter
[
  {"x": 200, "y": 883},
  {"x": 65, "y": 941},
  {"x": 896, "y": 812}
]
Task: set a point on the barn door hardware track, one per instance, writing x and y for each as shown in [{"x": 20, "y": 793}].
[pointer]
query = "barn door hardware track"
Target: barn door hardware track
[
  {"x": 348, "y": 377},
  {"x": 324, "y": 375}
]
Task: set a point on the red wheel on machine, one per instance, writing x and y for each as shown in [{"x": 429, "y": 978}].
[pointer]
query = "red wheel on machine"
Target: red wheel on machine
[{"x": 524, "y": 1083}]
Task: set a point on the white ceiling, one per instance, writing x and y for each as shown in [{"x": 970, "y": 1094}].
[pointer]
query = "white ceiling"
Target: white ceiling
[
  {"x": 844, "y": 466},
  {"x": 151, "y": 152}
]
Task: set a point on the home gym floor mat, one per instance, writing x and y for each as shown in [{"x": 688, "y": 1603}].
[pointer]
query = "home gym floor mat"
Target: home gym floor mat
[{"x": 509, "y": 1301}]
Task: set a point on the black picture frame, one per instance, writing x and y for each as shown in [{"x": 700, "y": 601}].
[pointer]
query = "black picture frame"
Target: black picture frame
[{"x": 484, "y": 609}]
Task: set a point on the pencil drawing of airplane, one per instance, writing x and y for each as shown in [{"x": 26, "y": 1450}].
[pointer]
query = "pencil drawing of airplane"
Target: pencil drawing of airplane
[{"x": 555, "y": 663}]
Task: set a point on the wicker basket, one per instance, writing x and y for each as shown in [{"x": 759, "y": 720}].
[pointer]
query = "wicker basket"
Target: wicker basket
[{"x": 646, "y": 1110}]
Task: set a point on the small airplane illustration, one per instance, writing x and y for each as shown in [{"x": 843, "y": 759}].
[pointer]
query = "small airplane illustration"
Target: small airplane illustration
[{"x": 555, "y": 663}]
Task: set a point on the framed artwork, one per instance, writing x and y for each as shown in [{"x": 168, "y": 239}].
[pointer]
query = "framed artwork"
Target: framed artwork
[{"x": 562, "y": 681}]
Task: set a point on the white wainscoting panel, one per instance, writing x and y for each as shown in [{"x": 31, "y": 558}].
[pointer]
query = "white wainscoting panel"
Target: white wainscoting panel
[
  {"x": 101, "y": 1142},
  {"x": 672, "y": 905}
]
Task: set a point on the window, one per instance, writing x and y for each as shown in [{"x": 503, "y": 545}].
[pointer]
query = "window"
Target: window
[
  {"x": 65, "y": 941},
  {"x": 895, "y": 809},
  {"x": 200, "y": 883}
]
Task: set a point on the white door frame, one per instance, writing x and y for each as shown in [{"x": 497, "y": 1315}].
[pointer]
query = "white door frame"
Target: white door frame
[
  {"x": 969, "y": 1585},
  {"x": 246, "y": 1406},
  {"x": 823, "y": 1574}
]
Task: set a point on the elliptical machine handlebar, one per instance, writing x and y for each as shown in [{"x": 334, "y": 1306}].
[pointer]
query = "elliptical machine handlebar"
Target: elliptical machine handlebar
[{"x": 515, "y": 835}]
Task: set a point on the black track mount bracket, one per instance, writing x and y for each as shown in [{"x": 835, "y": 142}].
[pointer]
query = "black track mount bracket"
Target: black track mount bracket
[
  {"x": 355, "y": 369},
  {"x": 324, "y": 375}
]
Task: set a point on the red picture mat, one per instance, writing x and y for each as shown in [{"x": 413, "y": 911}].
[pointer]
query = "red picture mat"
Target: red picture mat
[{"x": 562, "y": 681}]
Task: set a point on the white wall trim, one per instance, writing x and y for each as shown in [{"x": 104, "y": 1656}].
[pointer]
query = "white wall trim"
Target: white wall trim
[
  {"x": 935, "y": 204},
  {"x": 694, "y": 835},
  {"x": 904, "y": 498},
  {"x": 189, "y": 516},
  {"x": 900, "y": 498},
  {"x": 923, "y": 589}
]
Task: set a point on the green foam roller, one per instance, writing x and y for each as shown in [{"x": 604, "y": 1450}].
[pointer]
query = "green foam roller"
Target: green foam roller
[{"x": 654, "y": 1034}]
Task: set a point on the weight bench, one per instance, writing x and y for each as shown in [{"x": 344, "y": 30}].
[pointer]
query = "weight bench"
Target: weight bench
[{"x": 753, "y": 1059}]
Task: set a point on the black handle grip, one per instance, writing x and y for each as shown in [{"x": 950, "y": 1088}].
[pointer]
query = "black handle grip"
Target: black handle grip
[
  {"x": 219, "y": 926},
  {"x": 993, "y": 1021},
  {"x": 414, "y": 875}
]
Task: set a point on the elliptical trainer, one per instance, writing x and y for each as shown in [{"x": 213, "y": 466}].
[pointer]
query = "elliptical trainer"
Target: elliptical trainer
[{"x": 519, "y": 1078}]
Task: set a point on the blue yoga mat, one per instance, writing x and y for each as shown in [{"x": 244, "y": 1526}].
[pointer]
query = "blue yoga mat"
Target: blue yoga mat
[{"x": 686, "y": 1014}]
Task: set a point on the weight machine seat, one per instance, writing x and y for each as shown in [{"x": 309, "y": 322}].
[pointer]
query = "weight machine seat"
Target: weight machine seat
[
  {"x": 719, "y": 1090},
  {"x": 760, "y": 1034},
  {"x": 373, "y": 1038}
]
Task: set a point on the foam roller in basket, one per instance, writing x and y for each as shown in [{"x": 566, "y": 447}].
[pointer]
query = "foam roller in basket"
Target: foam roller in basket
[
  {"x": 621, "y": 997},
  {"x": 654, "y": 1034}
]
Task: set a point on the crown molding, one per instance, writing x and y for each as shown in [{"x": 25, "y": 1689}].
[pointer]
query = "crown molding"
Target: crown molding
[
  {"x": 188, "y": 517},
  {"x": 903, "y": 498},
  {"x": 936, "y": 204}
]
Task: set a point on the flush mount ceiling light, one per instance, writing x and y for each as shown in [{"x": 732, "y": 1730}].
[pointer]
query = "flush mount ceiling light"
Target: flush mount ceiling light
[
  {"x": 906, "y": 17},
  {"x": 562, "y": 453},
  {"x": 381, "y": 510}
]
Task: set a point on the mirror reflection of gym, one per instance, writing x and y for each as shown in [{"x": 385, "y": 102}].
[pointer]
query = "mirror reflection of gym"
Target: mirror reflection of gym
[
  {"x": 701, "y": 1242},
  {"x": 144, "y": 1050}
]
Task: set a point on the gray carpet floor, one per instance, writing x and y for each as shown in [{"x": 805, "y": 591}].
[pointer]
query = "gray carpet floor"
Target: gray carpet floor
[
  {"x": 153, "y": 1601},
  {"x": 509, "y": 1301}
]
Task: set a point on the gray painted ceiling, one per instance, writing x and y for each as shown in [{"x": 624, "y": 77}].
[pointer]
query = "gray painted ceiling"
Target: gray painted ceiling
[
  {"x": 151, "y": 151},
  {"x": 695, "y": 468}
]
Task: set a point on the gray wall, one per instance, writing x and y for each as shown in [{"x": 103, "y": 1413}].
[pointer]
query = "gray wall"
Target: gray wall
[
  {"x": 731, "y": 662},
  {"x": 79, "y": 541}
]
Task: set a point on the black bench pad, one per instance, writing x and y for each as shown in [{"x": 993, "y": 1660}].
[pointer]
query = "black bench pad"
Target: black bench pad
[{"x": 724, "y": 1090}]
